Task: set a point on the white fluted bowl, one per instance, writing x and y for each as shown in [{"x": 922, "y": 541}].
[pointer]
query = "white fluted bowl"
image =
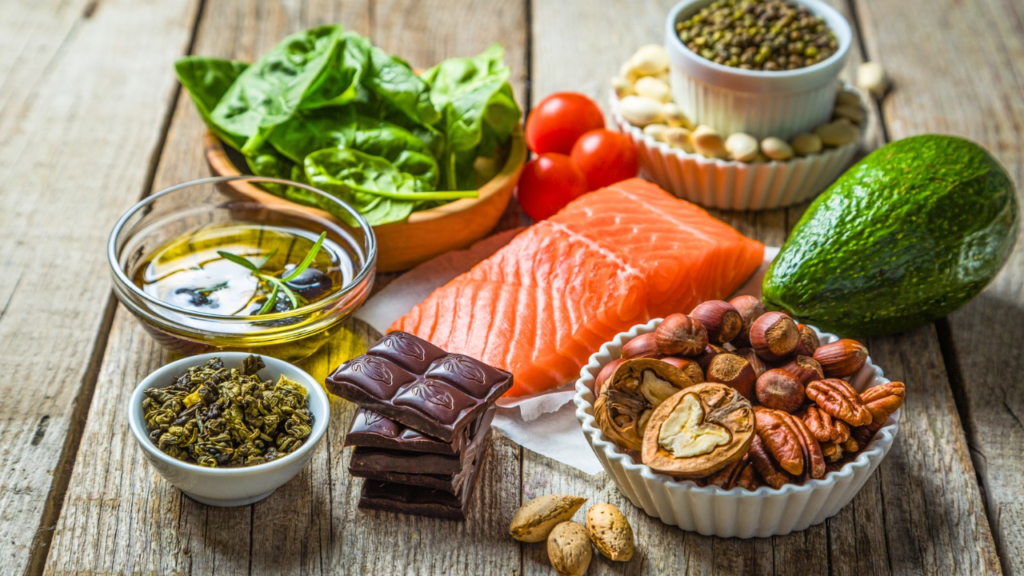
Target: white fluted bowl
[
  {"x": 710, "y": 510},
  {"x": 732, "y": 185}
]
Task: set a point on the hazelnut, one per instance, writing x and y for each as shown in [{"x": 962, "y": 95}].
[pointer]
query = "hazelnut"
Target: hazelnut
[
  {"x": 841, "y": 358},
  {"x": 809, "y": 341},
  {"x": 689, "y": 367},
  {"x": 643, "y": 346},
  {"x": 704, "y": 358},
  {"x": 720, "y": 319},
  {"x": 605, "y": 374},
  {"x": 750, "y": 309},
  {"x": 680, "y": 335},
  {"x": 779, "y": 389},
  {"x": 756, "y": 362},
  {"x": 805, "y": 368},
  {"x": 733, "y": 371},
  {"x": 774, "y": 336}
]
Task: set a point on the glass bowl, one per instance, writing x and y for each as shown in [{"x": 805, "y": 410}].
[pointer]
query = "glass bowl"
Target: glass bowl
[{"x": 171, "y": 213}]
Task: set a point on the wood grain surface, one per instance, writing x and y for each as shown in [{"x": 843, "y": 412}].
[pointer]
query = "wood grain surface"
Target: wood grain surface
[
  {"x": 82, "y": 110},
  {"x": 74, "y": 153}
]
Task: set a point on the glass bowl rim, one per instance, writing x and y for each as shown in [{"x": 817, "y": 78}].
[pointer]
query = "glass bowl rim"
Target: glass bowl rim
[{"x": 357, "y": 280}]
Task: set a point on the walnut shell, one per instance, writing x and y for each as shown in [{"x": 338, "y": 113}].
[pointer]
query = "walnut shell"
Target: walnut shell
[
  {"x": 629, "y": 396},
  {"x": 699, "y": 431}
]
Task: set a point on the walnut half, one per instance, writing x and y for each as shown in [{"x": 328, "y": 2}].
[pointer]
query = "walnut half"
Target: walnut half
[
  {"x": 631, "y": 394},
  {"x": 699, "y": 431}
]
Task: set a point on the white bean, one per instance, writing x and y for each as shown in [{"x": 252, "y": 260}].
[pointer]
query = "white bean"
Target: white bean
[
  {"x": 838, "y": 133},
  {"x": 872, "y": 77},
  {"x": 649, "y": 60},
  {"x": 621, "y": 86},
  {"x": 806, "y": 144},
  {"x": 675, "y": 117},
  {"x": 651, "y": 87},
  {"x": 640, "y": 111},
  {"x": 776, "y": 148},
  {"x": 656, "y": 131},
  {"x": 742, "y": 147},
  {"x": 854, "y": 114},
  {"x": 844, "y": 98},
  {"x": 677, "y": 137},
  {"x": 708, "y": 142}
]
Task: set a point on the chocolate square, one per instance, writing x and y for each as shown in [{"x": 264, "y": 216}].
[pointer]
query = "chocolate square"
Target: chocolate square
[
  {"x": 445, "y": 394},
  {"x": 413, "y": 470}
]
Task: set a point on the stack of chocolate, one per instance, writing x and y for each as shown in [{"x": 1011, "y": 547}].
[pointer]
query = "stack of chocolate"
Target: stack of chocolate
[{"x": 423, "y": 427}]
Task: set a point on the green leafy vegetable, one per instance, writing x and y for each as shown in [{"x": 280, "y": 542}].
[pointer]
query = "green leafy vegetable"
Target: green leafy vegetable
[{"x": 327, "y": 108}]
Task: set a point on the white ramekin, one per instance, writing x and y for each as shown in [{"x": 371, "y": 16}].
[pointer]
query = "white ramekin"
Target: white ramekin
[
  {"x": 732, "y": 185},
  {"x": 710, "y": 510},
  {"x": 230, "y": 486},
  {"x": 782, "y": 103}
]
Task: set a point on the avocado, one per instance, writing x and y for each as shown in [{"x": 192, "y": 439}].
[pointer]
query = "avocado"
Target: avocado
[{"x": 907, "y": 235}]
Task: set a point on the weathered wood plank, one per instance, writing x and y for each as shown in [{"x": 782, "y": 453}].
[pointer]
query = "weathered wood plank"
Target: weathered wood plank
[
  {"x": 959, "y": 70},
  {"x": 924, "y": 493},
  {"x": 82, "y": 105},
  {"x": 120, "y": 516}
]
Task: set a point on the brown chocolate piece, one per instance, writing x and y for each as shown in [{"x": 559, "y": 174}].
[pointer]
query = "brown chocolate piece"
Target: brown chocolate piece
[
  {"x": 415, "y": 383},
  {"x": 451, "y": 482},
  {"x": 372, "y": 430}
]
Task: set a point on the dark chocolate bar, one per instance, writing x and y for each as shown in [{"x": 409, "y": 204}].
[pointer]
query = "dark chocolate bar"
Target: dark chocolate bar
[
  {"x": 448, "y": 482},
  {"x": 417, "y": 384},
  {"x": 370, "y": 459},
  {"x": 372, "y": 430},
  {"x": 406, "y": 499}
]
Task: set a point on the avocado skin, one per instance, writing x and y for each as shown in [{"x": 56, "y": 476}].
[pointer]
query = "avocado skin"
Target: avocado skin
[{"x": 907, "y": 235}]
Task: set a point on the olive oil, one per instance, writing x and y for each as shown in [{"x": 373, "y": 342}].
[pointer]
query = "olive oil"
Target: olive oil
[
  {"x": 218, "y": 301},
  {"x": 190, "y": 272}
]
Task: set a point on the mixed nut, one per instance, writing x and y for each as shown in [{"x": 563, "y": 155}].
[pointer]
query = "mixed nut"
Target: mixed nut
[
  {"x": 568, "y": 543},
  {"x": 733, "y": 395},
  {"x": 645, "y": 101}
]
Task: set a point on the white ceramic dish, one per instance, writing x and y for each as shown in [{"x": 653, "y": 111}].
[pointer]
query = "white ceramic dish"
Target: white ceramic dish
[
  {"x": 230, "y": 486},
  {"x": 781, "y": 103},
  {"x": 732, "y": 185},
  {"x": 712, "y": 511}
]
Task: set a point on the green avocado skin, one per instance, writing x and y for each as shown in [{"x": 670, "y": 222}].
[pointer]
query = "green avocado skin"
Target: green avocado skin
[{"x": 907, "y": 235}]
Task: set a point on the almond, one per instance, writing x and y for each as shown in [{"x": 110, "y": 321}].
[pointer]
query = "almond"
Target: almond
[
  {"x": 534, "y": 520},
  {"x": 610, "y": 532},
  {"x": 569, "y": 549}
]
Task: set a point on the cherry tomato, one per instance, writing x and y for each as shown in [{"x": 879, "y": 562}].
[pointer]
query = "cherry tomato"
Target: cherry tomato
[
  {"x": 549, "y": 182},
  {"x": 605, "y": 157},
  {"x": 559, "y": 120}
]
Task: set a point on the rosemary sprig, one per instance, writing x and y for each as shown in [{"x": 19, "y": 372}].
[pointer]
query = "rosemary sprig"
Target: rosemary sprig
[{"x": 278, "y": 285}]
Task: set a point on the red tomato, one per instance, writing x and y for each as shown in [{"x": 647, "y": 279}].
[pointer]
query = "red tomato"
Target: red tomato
[
  {"x": 549, "y": 182},
  {"x": 605, "y": 157},
  {"x": 559, "y": 120}
]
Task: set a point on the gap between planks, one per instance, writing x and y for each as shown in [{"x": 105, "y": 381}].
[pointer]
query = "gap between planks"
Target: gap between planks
[{"x": 40, "y": 547}]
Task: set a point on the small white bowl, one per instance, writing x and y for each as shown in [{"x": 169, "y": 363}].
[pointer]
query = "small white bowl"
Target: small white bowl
[
  {"x": 781, "y": 103},
  {"x": 710, "y": 510},
  {"x": 229, "y": 486},
  {"x": 733, "y": 185}
]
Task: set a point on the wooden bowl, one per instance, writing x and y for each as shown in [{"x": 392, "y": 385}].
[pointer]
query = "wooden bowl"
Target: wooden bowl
[{"x": 425, "y": 234}]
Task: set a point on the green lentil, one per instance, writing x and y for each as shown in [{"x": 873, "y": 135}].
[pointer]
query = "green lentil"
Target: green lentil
[{"x": 758, "y": 34}]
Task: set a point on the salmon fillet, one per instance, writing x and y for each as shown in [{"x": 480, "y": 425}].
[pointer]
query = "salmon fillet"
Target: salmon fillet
[{"x": 613, "y": 258}]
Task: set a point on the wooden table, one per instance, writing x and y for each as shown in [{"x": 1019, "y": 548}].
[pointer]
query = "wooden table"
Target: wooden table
[{"x": 92, "y": 119}]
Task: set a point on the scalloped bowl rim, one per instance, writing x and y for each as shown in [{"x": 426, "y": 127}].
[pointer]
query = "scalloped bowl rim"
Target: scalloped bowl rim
[{"x": 875, "y": 449}]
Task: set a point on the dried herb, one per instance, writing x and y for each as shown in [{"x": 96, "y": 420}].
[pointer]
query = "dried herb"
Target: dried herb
[{"x": 220, "y": 417}]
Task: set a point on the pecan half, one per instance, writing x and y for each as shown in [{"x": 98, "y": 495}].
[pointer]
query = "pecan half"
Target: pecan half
[
  {"x": 831, "y": 451},
  {"x": 739, "y": 474},
  {"x": 840, "y": 400},
  {"x": 881, "y": 401},
  {"x": 823, "y": 426},
  {"x": 780, "y": 439},
  {"x": 765, "y": 466},
  {"x": 814, "y": 461}
]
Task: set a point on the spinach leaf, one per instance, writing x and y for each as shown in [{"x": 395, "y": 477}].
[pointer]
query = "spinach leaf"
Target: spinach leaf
[
  {"x": 371, "y": 184},
  {"x": 311, "y": 69},
  {"x": 207, "y": 79},
  {"x": 477, "y": 107},
  {"x": 268, "y": 162}
]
